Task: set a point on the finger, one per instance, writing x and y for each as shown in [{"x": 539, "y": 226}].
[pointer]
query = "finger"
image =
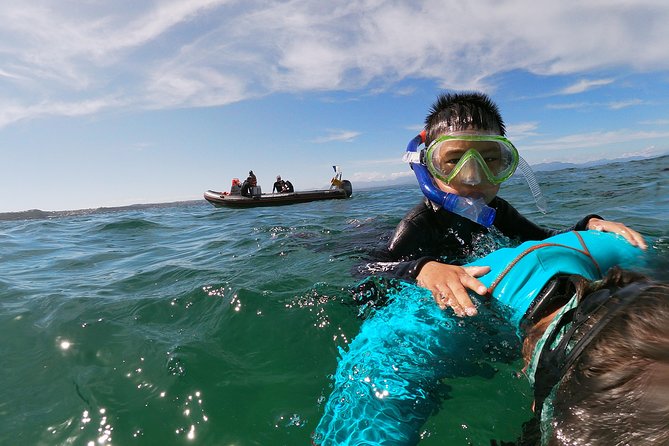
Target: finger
[
  {"x": 460, "y": 295},
  {"x": 641, "y": 243},
  {"x": 633, "y": 237},
  {"x": 440, "y": 297},
  {"x": 469, "y": 280},
  {"x": 447, "y": 300},
  {"x": 477, "y": 271},
  {"x": 627, "y": 236},
  {"x": 464, "y": 302}
]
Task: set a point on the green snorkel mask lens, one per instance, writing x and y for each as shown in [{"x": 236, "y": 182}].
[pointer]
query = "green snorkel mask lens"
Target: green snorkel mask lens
[{"x": 450, "y": 156}]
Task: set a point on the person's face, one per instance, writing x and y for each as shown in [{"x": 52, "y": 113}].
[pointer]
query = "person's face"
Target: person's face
[{"x": 471, "y": 181}]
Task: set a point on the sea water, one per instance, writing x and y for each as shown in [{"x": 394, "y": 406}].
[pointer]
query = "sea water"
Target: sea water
[{"x": 182, "y": 324}]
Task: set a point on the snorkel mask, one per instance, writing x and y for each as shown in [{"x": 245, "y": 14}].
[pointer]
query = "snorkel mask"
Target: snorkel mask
[
  {"x": 473, "y": 209},
  {"x": 451, "y": 156},
  {"x": 468, "y": 158}
]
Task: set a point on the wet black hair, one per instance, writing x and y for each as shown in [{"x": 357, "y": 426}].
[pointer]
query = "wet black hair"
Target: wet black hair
[
  {"x": 611, "y": 385},
  {"x": 463, "y": 111},
  {"x": 617, "y": 391}
]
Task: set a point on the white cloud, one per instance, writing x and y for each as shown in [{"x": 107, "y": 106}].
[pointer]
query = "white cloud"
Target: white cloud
[
  {"x": 585, "y": 85},
  {"x": 337, "y": 136},
  {"x": 594, "y": 139},
  {"x": 624, "y": 104},
  {"x": 522, "y": 130},
  {"x": 645, "y": 152},
  {"x": 569, "y": 106},
  {"x": 656, "y": 122},
  {"x": 11, "y": 113},
  {"x": 416, "y": 128},
  {"x": 9, "y": 75},
  {"x": 615, "y": 105},
  {"x": 213, "y": 52}
]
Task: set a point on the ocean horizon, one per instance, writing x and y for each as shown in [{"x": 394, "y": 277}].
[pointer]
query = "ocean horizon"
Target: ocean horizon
[{"x": 364, "y": 185}]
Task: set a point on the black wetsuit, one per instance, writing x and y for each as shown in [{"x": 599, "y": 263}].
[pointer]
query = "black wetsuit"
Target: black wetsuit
[
  {"x": 246, "y": 188},
  {"x": 278, "y": 186},
  {"x": 426, "y": 234}
]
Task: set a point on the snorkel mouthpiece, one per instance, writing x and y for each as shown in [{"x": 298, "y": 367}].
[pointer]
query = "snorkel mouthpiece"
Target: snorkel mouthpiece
[{"x": 473, "y": 209}]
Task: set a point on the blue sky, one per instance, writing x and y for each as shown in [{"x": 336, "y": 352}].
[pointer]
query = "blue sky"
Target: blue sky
[{"x": 109, "y": 103}]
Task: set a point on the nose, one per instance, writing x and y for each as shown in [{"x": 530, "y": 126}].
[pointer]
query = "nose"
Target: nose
[{"x": 470, "y": 174}]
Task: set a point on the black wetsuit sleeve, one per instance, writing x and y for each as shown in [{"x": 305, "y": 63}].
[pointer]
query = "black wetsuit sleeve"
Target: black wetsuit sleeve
[
  {"x": 425, "y": 234},
  {"x": 512, "y": 224},
  {"x": 416, "y": 240}
]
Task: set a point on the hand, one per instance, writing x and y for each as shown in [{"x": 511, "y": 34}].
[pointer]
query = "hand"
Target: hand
[
  {"x": 449, "y": 285},
  {"x": 630, "y": 235}
]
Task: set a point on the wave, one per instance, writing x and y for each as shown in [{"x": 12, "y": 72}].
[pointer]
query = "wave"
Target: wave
[{"x": 131, "y": 224}]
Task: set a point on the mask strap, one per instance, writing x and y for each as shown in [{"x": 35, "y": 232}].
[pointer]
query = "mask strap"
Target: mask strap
[{"x": 533, "y": 184}]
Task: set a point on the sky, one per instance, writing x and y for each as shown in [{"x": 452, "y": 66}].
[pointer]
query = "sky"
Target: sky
[{"x": 109, "y": 103}]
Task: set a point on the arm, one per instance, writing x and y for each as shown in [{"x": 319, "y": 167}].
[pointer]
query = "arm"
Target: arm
[
  {"x": 633, "y": 237},
  {"x": 421, "y": 237},
  {"x": 513, "y": 224}
]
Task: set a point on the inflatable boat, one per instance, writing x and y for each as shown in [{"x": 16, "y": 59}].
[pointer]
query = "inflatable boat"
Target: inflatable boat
[{"x": 338, "y": 189}]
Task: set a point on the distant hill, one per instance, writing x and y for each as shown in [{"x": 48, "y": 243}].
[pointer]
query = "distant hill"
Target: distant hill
[
  {"x": 557, "y": 165},
  {"x": 37, "y": 214}
]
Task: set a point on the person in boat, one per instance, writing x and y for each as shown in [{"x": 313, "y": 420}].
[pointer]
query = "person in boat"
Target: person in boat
[
  {"x": 248, "y": 183},
  {"x": 236, "y": 188},
  {"x": 279, "y": 185},
  {"x": 597, "y": 352},
  {"x": 465, "y": 160},
  {"x": 288, "y": 187}
]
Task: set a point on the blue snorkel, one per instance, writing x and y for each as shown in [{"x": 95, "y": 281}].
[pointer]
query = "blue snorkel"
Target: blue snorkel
[{"x": 473, "y": 209}]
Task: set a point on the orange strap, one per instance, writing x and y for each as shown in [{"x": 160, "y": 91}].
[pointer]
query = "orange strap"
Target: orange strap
[{"x": 585, "y": 251}]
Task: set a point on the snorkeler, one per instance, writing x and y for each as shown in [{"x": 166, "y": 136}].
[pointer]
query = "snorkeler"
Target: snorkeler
[
  {"x": 386, "y": 384},
  {"x": 465, "y": 160},
  {"x": 279, "y": 185},
  {"x": 249, "y": 183}
]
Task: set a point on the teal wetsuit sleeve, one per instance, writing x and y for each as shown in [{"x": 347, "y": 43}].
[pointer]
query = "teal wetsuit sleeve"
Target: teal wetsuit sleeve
[
  {"x": 385, "y": 385},
  {"x": 518, "y": 274}
]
